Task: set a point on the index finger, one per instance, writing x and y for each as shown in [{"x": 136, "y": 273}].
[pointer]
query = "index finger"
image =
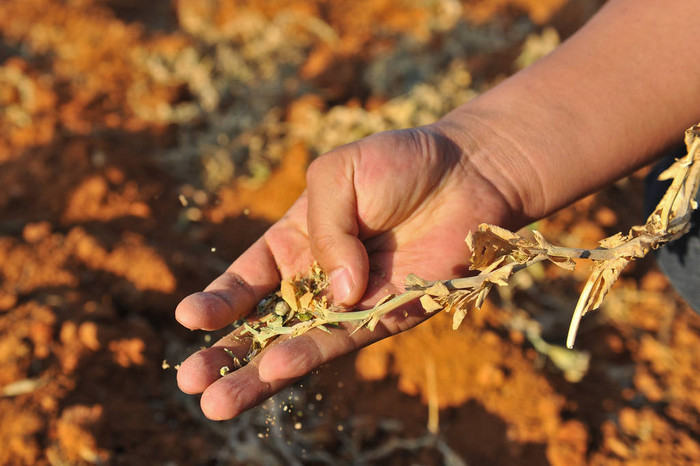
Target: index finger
[
  {"x": 234, "y": 293},
  {"x": 282, "y": 251}
]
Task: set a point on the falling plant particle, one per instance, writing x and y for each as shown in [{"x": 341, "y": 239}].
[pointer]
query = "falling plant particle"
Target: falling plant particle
[
  {"x": 193, "y": 214},
  {"x": 183, "y": 200},
  {"x": 237, "y": 364}
]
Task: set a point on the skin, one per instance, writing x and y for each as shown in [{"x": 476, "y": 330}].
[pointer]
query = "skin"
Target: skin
[{"x": 603, "y": 104}]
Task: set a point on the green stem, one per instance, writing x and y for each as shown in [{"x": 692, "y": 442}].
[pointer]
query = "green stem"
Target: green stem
[{"x": 383, "y": 308}]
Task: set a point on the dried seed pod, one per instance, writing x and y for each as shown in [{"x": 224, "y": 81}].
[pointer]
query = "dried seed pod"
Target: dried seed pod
[{"x": 282, "y": 308}]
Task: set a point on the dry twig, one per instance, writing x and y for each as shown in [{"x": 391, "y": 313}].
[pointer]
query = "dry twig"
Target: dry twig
[{"x": 497, "y": 254}]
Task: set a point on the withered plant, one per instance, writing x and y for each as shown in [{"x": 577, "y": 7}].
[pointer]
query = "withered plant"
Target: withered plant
[{"x": 497, "y": 254}]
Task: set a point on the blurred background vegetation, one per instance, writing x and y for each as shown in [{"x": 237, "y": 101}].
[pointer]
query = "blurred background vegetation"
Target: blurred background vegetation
[{"x": 144, "y": 145}]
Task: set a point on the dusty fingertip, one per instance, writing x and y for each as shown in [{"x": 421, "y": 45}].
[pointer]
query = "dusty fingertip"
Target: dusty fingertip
[
  {"x": 186, "y": 312},
  {"x": 193, "y": 376},
  {"x": 268, "y": 369},
  {"x": 230, "y": 396},
  {"x": 186, "y": 382},
  {"x": 202, "y": 311},
  {"x": 210, "y": 406}
]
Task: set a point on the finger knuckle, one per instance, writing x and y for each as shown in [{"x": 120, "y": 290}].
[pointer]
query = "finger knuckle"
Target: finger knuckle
[
  {"x": 320, "y": 167},
  {"x": 322, "y": 244}
]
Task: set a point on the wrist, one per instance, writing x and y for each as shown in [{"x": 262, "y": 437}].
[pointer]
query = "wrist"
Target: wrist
[
  {"x": 600, "y": 106},
  {"x": 500, "y": 154}
]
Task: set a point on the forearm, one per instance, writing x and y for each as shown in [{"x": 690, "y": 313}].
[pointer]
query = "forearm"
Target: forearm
[{"x": 601, "y": 105}]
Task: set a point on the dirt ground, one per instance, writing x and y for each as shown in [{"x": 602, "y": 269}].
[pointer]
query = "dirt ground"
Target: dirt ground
[{"x": 142, "y": 148}]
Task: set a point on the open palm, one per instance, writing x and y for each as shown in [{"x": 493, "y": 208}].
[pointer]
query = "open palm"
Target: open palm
[{"x": 374, "y": 211}]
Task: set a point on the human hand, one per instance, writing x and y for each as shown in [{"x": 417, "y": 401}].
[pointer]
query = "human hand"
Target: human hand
[{"x": 374, "y": 211}]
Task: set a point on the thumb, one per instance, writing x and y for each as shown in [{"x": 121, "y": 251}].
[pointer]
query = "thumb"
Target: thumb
[{"x": 333, "y": 224}]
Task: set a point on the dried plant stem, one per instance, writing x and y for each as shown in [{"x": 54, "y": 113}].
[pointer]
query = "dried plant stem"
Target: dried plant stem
[
  {"x": 497, "y": 254},
  {"x": 380, "y": 310},
  {"x": 670, "y": 220},
  {"x": 466, "y": 283}
]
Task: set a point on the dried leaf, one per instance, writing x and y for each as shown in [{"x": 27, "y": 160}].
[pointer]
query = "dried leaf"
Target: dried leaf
[
  {"x": 437, "y": 289},
  {"x": 481, "y": 296},
  {"x": 459, "y": 314},
  {"x": 414, "y": 281},
  {"x": 372, "y": 324},
  {"x": 493, "y": 266},
  {"x": 321, "y": 327},
  {"x": 470, "y": 240},
  {"x": 488, "y": 246},
  {"x": 565, "y": 263},
  {"x": 385, "y": 299},
  {"x": 618, "y": 239},
  {"x": 289, "y": 294},
  {"x": 462, "y": 303},
  {"x": 604, "y": 276},
  {"x": 429, "y": 304},
  {"x": 506, "y": 235},
  {"x": 500, "y": 276},
  {"x": 672, "y": 172},
  {"x": 305, "y": 300},
  {"x": 493, "y": 245},
  {"x": 541, "y": 241}
]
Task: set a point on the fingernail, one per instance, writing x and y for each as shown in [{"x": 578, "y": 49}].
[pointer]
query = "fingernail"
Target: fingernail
[{"x": 341, "y": 284}]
